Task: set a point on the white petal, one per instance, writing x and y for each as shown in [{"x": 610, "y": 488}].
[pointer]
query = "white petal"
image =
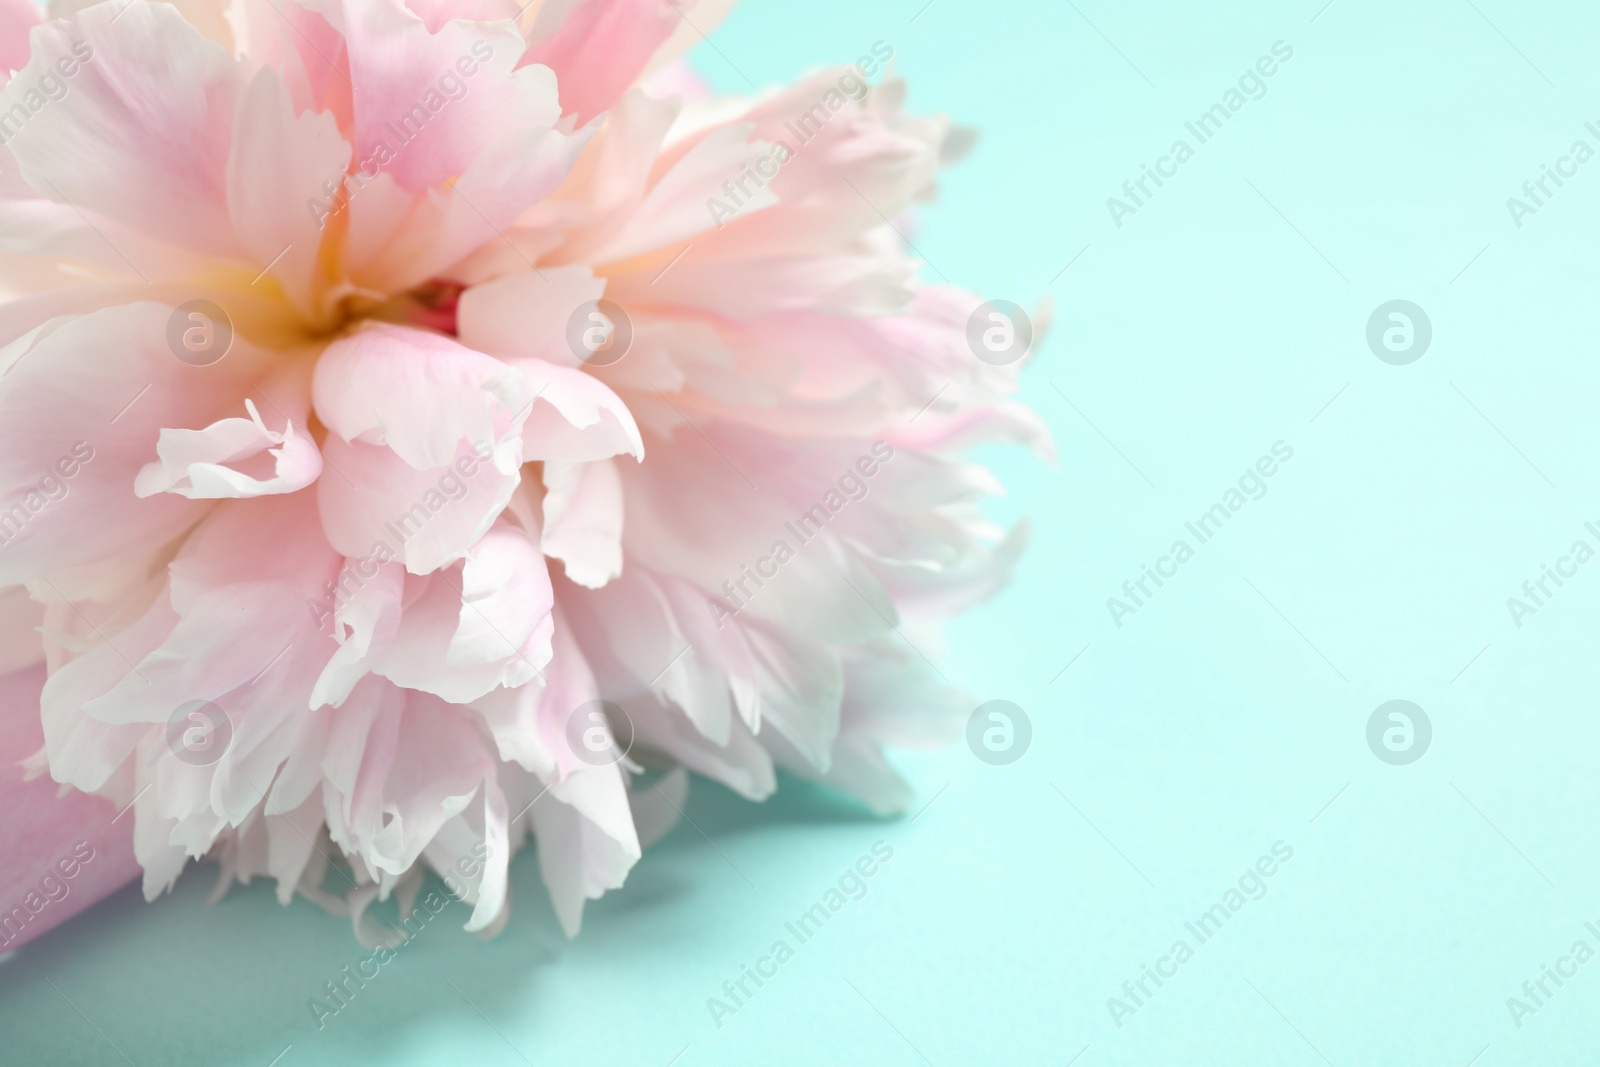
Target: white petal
[
  {"x": 587, "y": 843},
  {"x": 583, "y": 519},
  {"x": 195, "y": 463},
  {"x": 575, "y": 417}
]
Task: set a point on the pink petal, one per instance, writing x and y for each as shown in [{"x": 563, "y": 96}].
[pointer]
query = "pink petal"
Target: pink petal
[
  {"x": 20, "y": 617},
  {"x": 473, "y": 629},
  {"x": 436, "y": 13},
  {"x": 435, "y": 101},
  {"x": 526, "y": 314},
  {"x": 280, "y": 165},
  {"x": 84, "y": 405},
  {"x": 143, "y": 133},
  {"x": 17, "y": 17},
  {"x": 576, "y": 417},
  {"x": 506, "y": 600},
  {"x": 439, "y": 763},
  {"x": 366, "y": 618},
  {"x": 376, "y": 506},
  {"x": 600, "y": 49},
  {"x": 422, "y": 395},
  {"x": 529, "y": 723},
  {"x": 241, "y": 587}
]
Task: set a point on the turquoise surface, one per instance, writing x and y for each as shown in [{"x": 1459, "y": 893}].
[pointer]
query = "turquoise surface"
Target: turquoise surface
[{"x": 1226, "y": 717}]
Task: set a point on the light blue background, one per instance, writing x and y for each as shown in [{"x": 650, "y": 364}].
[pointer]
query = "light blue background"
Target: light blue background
[{"x": 1223, "y": 717}]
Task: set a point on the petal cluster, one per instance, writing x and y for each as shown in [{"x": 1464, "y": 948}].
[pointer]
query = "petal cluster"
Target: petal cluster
[{"x": 429, "y": 429}]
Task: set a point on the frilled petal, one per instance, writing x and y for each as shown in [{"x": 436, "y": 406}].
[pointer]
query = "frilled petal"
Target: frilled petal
[
  {"x": 436, "y": 101},
  {"x": 240, "y": 588},
  {"x": 529, "y": 723},
  {"x": 364, "y": 615},
  {"x": 204, "y": 464},
  {"x": 423, "y": 773},
  {"x": 470, "y": 629}
]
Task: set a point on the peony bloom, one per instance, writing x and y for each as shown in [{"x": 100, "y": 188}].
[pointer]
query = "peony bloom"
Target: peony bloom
[{"x": 429, "y": 429}]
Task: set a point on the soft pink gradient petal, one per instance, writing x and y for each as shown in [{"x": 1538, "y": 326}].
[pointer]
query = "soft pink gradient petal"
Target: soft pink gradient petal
[
  {"x": 396, "y": 67},
  {"x": 422, "y": 395},
  {"x": 241, "y": 587},
  {"x": 143, "y": 135},
  {"x": 436, "y": 13},
  {"x": 17, "y": 17},
  {"x": 526, "y": 314},
  {"x": 280, "y": 164},
  {"x": 364, "y": 624},
  {"x": 600, "y": 48},
  {"x": 376, "y": 506},
  {"x": 587, "y": 841},
  {"x": 20, "y": 617}
]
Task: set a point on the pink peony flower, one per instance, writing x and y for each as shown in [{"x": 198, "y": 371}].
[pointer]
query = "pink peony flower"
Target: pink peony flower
[{"x": 422, "y": 424}]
